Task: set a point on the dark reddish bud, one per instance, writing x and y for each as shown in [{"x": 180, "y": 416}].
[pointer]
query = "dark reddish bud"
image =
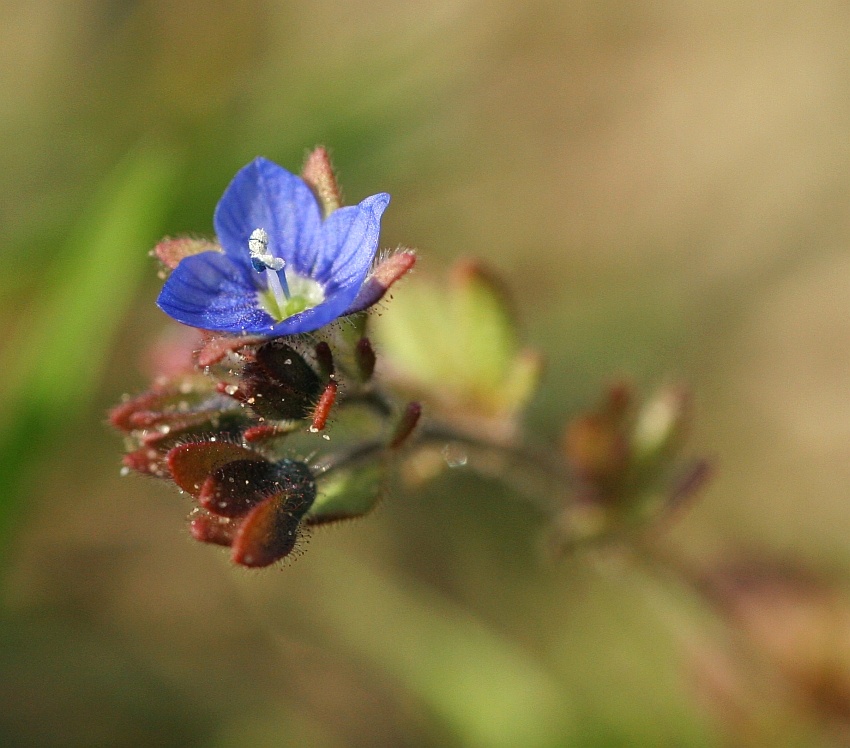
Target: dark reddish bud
[
  {"x": 364, "y": 356},
  {"x": 280, "y": 384},
  {"x": 381, "y": 278},
  {"x": 210, "y": 529},
  {"x": 323, "y": 407},
  {"x": 176, "y": 398},
  {"x": 324, "y": 360},
  {"x": 255, "y": 507},
  {"x": 156, "y": 432},
  {"x": 234, "y": 488},
  {"x": 270, "y": 531},
  {"x": 319, "y": 174},
  {"x": 267, "y": 534},
  {"x": 406, "y": 424},
  {"x": 191, "y": 464},
  {"x": 177, "y": 409}
]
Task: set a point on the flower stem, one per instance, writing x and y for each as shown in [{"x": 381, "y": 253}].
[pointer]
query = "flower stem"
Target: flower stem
[
  {"x": 341, "y": 460},
  {"x": 545, "y": 482}
]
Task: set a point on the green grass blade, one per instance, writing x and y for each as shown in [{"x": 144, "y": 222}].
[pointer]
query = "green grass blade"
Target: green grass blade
[{"x": 53, "y": 365}]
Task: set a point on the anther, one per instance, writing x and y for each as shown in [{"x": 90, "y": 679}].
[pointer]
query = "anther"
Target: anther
[{"x": 263, "y": 260}]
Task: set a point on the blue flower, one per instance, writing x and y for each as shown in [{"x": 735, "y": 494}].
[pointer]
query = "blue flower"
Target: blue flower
[{"x": 284, "y": 269}]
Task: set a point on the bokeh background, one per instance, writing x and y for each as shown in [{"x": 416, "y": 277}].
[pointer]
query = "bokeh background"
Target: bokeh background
[{"x": 664, "y": 188}]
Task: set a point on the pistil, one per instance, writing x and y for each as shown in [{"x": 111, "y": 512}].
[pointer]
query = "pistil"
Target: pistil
[{"x": 263, "y": 261}]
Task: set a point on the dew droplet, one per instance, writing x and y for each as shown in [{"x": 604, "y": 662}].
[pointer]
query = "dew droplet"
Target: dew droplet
[{"x": 454, "y": 455}]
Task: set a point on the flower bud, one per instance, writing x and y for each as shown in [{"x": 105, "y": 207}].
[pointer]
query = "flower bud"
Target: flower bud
[
  {"x": 270, "y": 530},
  {"x": 236, "y": 487},
  {"x": 365, "y": 359},
  {"x": 280, "y": 384},
  {"x": 191, "y": 464},
  {"x": 379, "y": 280},
  {"x": 208, "y": 528},
  {"x": 319, "y": 174},
  {"x": 254, "y": 506},
  {"x": 177, "y": 411},
  {"x": 170, "y": 251},
  {"x": 324, "y": 360}
]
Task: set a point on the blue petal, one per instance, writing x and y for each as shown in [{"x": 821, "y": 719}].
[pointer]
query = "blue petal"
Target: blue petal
[
  {"x": 266, "y": 196},
  {"x": 349, "y": 240},
  {"x": 345, "y": 248},
  {"x": 212, "y": 292}
]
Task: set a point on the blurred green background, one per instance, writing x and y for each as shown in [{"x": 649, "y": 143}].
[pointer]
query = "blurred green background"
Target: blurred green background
[{"x": 665, "y": 189}]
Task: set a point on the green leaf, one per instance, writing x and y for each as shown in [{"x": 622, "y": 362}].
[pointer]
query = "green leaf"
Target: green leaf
[
  {"x": 348, "y": 494},
  {"x": 457, "y": 343}
]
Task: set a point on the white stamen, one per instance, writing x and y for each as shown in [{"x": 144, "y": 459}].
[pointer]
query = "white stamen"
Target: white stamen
[
  {"x": 262, "y": 259},
  {"x": 258, "y": 245}
]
